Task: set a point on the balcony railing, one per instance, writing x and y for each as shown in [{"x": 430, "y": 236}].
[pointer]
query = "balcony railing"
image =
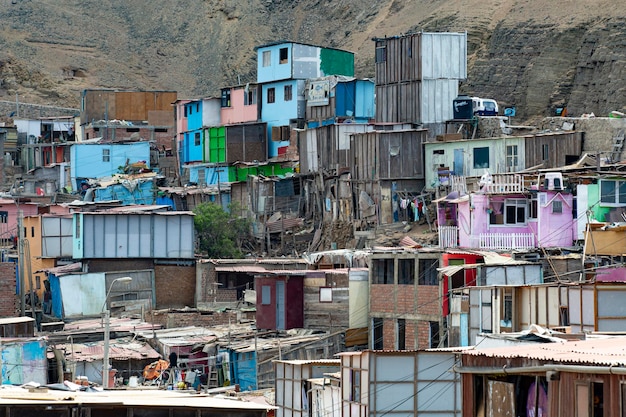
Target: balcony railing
[
  {"x": 504, "y": 241},
  {"x": 501, "y": 184},
  {"x": 448, "y": 237}
]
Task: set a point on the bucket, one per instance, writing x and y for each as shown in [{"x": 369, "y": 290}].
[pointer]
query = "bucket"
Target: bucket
[{"x": 132, "y": 381}]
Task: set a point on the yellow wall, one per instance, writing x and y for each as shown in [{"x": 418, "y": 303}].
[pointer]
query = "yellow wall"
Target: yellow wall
[{"x": 32, "y": 252}]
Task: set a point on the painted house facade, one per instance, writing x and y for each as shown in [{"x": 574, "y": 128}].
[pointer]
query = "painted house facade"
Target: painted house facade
[
  {"x": 200, "y": 114},
  {"x": 97, "y": 160},
  {"x": 507, "y": 214},
  {"x": 282, "y": 69},
  {"x": 472, "y": 158}
]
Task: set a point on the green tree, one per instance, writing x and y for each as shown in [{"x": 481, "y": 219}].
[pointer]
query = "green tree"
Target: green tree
[{"x": 221, "y": 233}]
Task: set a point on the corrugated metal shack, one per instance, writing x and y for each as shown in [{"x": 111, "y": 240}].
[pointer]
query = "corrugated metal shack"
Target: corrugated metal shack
[{"x": 576, "y": 378}]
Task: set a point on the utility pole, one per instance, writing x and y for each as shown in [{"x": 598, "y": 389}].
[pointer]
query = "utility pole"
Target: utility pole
[{"x": 20, "y": 260}]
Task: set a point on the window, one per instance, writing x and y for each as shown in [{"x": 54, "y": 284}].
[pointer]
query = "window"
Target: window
[
  {"x": 132, "y": 129},
  {"x": 532, "y": 212},
  {"x": 225, "y": 100},
  {"x": 428, "y": 272},
  {"x": 288, "y": 94},
  {"x": 381, "y": 54},
  {"x": 512, "y": 212},
  {"x": 106, "y": 155},
  {"x": 515, "y": 211},
  {"x": 545, "y": 152},
  {"x": 266, "y": 295},
  {"x": 434, "y": 334},
  {"x": 197, "y": 107},
  {"x": 382, "y": 271},
  {"x": 511, "y": 158},
  {"x": 612, "y": 192},
  {"x": 438, "y": 152},
  {"x": 271, "y": 95},
  {"x": 4, "y": 216},
  {"x": 481, "y": 158},
  {"x": 326, "y": 295},
  {"x": 283, "y": 55},
  {"x": 557, "y": 206},
  {"x": 355, "y": 392},
  {"x": 401, "y": 334},
  {"x": 377, "y": 333},
  {"x": 190, "y": 109},
  {"x": 267, "y": 58},
  {"x": 406, "y": 271},
  {"x": 196, "y": 139}
]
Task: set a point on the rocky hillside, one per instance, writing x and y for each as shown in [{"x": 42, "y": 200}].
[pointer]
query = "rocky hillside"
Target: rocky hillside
[{"x": 536, "y": 55}]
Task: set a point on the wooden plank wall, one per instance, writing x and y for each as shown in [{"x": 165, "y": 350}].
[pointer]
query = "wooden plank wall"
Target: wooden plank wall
[
  {"x": 403, "y": 61},
  {"x": 399, "y": 103},
  {"x": 400, "y": 154},
  {"x": 319, "y": 113},
  {"x": 329, "y": 317},
  {"x": 98, "y": 104},
  {"x": 559, "y": 144}
]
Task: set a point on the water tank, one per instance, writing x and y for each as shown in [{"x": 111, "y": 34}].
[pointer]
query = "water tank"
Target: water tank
[{"x": 462, "y": 108}]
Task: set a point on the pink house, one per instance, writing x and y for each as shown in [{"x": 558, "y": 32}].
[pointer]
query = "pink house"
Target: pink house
[
  {"x": 239, "y": 104},
  {"x": 505, "y": 214},
  {"x": 9, "y": 211}
]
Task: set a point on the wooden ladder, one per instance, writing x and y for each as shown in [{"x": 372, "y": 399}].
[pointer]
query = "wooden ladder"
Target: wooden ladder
[
  {"x": 212, "y": 381},
  {"x": 618, "y": 144}
]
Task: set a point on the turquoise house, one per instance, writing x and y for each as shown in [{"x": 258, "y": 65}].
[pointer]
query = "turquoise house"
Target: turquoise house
[
  {"x": 200, "y": 114},
  {"x": 282, "y": 69},
  {"x": 98, "y": 160}
]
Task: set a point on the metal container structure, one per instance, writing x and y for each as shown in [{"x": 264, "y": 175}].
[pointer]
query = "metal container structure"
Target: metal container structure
[{"x": 165, "y": 235}]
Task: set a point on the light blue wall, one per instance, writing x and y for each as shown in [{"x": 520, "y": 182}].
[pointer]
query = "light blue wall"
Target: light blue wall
[
  {"x": 142, "y": 192},
  {"x": 194, "y": 114},
  {"x": 365, "y": 106},
  {"x": 191, "y": 151},
  {"x": 281, "y": 112},
  {"x": 87, "y": 159},
  {"x": 275, "y": 71},
  {"x": 212, "y": 175},
  {"x": 24, "y": 361}
]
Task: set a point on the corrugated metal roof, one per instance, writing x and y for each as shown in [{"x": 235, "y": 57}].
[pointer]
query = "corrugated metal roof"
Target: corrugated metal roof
[
  {"x": 119, "y": 349},
  {"x": 310, "y": 361},
  {"x": 13, "y": 395},
  {"x": 250, "y": 269},
  {"x": 63, "y": 269},
  {"x": 601, "y": 351}
]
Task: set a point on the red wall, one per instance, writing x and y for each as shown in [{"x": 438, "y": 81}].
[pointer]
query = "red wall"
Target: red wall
[
  {"x": 470, "y": 274},
  {"x": 294, "y": 302}
]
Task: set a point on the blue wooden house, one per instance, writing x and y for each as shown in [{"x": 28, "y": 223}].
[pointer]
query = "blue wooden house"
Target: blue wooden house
[
  {"x": 200, "y": 114},
  {"x": 97, "y": 160},
  {"x": 282, "y": 69}
]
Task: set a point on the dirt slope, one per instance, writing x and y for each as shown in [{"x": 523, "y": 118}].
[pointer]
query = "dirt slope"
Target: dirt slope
[{"x": 535, "y": 55}]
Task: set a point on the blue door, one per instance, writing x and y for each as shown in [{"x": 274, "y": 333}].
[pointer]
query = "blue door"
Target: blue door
[{"x": 458, "y": 162}]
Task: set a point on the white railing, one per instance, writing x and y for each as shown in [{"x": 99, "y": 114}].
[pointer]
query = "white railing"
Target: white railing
[
  {"x": 506, "y": 241},
  {"x": 448, "y": 237},
  {"x": 505, "y": 184},
  {"x": 458, "y": 183}
]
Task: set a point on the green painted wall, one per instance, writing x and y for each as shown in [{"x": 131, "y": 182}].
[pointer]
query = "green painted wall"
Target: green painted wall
[
  {"x": 217, "y": 144},
  {"x": 336, "y": 62}
]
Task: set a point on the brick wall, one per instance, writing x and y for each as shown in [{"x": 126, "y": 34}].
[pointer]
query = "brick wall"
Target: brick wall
[
  {"x": 9, "y": 301},
  {"x": 173, "y": 319},
  {"x": 175, "y": 286},
  {"x": 404, "y": 299},
  {"x": 119, "y": 265}
]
